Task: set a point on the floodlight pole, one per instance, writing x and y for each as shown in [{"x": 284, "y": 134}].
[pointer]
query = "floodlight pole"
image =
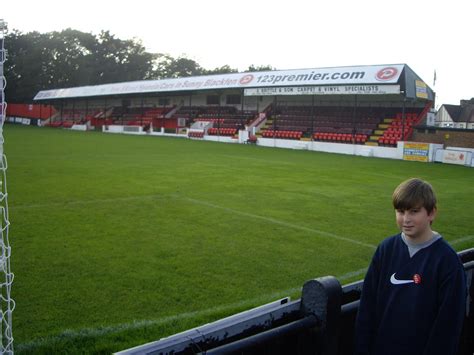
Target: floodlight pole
[
  {"x": 87, "y": 110},
  {"x": 274, "y": 116},
  {"x": 219, "y": 117},
  {"x": 242, "y": 109},
  {"x": 61, "y": 114},
  {"x": 105, "y": 110},
  {"x": 73, "y": 110},
  {"x": 354, "y": 120},
  {"x": 142, "y": 112},
  {"x": 312, "y": 117},
  {"x": 403, "y": 118}
]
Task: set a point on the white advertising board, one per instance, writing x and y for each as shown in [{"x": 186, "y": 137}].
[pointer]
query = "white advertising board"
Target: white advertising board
[
  {"x": 455, "y": 157},
  {"x": 358, "y": 75},
  {"x": 326, "y": 90}
]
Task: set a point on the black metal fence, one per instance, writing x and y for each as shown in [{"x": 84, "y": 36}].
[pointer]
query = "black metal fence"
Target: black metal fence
[{"x": 321, "y": 323}]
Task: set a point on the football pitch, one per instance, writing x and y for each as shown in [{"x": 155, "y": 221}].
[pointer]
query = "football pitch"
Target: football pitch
[{"x": 118, "y": 240}]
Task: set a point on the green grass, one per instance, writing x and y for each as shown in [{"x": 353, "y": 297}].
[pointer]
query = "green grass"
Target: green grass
[{"x": 119, "y": 240}]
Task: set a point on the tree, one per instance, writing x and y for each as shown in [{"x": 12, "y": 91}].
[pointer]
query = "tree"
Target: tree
[
  {"x": 225, "y": 69},
  {"x": 252, "y": 68},
  {"x": 168, "y": 67},
  {"x": 67, "y": 58},
  {"x": 115, "y": 60},
  {"x": 23, "y": 71},
  {"x": 73, "y": 58}
]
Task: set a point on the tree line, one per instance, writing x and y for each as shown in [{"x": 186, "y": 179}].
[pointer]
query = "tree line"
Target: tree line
[{"x": 41, "y": 61}]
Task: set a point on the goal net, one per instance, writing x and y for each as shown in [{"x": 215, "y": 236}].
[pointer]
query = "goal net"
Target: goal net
[{"x": 6, "y": 277}]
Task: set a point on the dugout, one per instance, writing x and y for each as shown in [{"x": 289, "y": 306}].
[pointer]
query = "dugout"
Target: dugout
[{"x": 380, "y": 103}]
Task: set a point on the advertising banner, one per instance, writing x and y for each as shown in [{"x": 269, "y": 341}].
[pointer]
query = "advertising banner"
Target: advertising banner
[
  {"x": 455, "y": 157},
  {"x": 377, "y": 75},
  {"x": 416, "y": 151},
  {"x": 421, "y": 89},
  {"x": 326, "y": 90}
]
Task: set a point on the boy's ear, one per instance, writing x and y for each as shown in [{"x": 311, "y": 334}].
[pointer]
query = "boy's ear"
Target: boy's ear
[{"x": 432, "y": 214}]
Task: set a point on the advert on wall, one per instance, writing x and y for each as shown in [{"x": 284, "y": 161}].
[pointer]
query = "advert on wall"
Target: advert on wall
[
  {"x": 416, "y": 151},
  {"x": 455, "y": 157}
]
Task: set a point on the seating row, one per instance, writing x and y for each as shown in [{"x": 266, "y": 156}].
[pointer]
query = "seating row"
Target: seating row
[
  {"x": 340, "y": 137},
  {"x": 64, "y": 124},
  {"x": 204, "y": 119},
  {"x": 196, "y": 111},
  {"x": 331, "y": 118},
  {"x": 398, "y": 135},
  {"x": 222, "y": 131},
  {"x": 270, "y": 133},
  {"x": 196, "y": 134},
  {"x": 336, "y": 124},
  {"x": 224, "y": 122},
  {"x": 127, "y": 113},
  {"x": 78, "y": 113},
  {"x": 398, "y": 130},
  {"x": 386, "y": 141},
  {"x": 408, "y": 115}
]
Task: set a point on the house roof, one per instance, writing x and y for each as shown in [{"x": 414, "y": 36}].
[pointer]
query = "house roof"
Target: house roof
[
  {"x": 454, "y": 111},
  {"x": 458, "y": 113},
  {"x": 467, "y": 114}
]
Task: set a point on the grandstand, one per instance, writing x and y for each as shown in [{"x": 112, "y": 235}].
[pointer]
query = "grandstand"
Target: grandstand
[{"x": 366, "y": 105}]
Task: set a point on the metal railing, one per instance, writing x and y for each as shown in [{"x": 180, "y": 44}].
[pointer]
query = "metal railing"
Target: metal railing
[{"x": 321, "y": 323}]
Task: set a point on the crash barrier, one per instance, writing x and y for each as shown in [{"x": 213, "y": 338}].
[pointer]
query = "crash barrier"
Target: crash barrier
[{"x": 321, "y": 323}]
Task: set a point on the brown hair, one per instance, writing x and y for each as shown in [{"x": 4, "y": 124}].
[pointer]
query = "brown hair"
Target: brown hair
[{"x": 414, "y": 193}]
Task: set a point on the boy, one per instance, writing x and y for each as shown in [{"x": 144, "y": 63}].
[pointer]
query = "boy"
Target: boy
[{"x": 414, "y": 294}]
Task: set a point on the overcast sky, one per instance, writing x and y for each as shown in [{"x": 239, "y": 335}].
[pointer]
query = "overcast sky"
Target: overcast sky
[{"x": 425, "y": 34}]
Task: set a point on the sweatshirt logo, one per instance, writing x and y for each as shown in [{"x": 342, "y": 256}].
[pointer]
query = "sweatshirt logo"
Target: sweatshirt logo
[{"x": 416, "y": 279}]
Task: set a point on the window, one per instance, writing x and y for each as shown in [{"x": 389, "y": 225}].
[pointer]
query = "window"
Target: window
[
  {"x": 233, "y": 99},
  {"x": 212, "y": 99}
]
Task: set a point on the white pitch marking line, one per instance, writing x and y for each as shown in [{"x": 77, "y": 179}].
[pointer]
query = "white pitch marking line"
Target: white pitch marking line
[
  {"x": 462, "y": 239},
  {"x": 86, "y": 202},
  {"x": 251, "y": 215},
  {"x": 282, "y": 223}
]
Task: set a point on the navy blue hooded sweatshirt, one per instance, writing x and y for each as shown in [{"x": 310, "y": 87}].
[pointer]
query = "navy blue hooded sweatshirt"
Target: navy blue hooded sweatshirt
[{"x": 411, "y": 306}]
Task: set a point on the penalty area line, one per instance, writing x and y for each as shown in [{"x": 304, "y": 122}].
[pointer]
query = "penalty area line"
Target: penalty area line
[
  {"x": 88, "y": 202},
  {"x": 462, "y": 239},
  {"x": 281, "y": 223}
]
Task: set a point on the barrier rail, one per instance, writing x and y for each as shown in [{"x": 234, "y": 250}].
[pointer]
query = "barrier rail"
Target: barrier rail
[{"x": 321, "y": 322}]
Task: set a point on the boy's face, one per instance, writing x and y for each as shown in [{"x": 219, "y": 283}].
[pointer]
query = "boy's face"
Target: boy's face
[{"x": 415, "y": 223}]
